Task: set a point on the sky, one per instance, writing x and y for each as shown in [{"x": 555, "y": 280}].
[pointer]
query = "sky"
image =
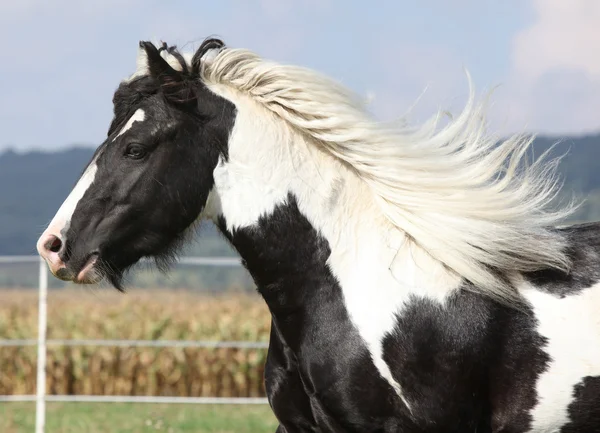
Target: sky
[{"x": 63, "y": 59}]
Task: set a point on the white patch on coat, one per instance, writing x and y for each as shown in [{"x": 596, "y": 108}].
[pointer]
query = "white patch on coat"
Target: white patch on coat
[
  {"x": 473, "y": 201},
  {"x": 572, "y": 327},
  {"x": 267, "y": 160}
]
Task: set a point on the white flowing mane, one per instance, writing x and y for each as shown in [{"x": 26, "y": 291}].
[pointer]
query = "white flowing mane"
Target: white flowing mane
[{"x": 471, "y": 201}]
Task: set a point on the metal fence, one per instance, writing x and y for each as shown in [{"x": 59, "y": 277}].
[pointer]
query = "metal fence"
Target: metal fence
[{"x": 42, "y": 343}]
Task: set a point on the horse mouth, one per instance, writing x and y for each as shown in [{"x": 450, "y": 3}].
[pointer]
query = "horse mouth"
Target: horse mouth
[{"x": 89, "y": 273}]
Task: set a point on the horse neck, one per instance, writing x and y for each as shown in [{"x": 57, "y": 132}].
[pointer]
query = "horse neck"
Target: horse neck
[{"x": 288, "y": 207}]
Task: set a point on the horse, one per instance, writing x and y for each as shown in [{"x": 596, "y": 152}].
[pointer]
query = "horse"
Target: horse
[{"x": 418, "y": 276}]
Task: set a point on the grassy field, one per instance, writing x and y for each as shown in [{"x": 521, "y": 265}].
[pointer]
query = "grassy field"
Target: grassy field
[
  {"x": 139, "y": 314},
  {"x": 138, "y": 418}
]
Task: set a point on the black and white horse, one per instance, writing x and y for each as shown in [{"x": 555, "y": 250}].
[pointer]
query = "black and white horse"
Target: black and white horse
[{"x": 416, "y": 278}]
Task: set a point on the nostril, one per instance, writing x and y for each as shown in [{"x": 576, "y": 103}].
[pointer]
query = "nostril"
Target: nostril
[
  {"x": 56, "y": 245},
  {"x": 53, "y": 244}
]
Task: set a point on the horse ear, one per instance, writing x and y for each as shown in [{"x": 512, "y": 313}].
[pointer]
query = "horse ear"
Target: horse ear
[
  {"x": 157, "y": 66},
  {"x": 173, "y": 84}
]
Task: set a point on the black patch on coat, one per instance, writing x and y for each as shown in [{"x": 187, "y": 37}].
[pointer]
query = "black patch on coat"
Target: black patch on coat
[
  {"x": 584, "y": 411},
  {"x": 440, "y": 356},
  {"x": 470, "y": 365},
  {"x": 519, "y": 361},
  {"x": 319, "y": 376},
  {"x": 584, "y": 252}
]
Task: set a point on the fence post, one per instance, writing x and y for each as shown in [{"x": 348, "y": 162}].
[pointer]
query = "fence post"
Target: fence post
[{"x": 40, "y": 408}]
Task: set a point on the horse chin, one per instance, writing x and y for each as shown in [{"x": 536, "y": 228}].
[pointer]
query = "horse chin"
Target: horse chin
[{"x": 90, "y": 273}]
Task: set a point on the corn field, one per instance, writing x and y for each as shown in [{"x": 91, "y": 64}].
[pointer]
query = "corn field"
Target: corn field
[{"x": 139, "y": 315}]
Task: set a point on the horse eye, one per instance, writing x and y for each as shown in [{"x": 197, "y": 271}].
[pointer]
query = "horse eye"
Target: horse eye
[{"x": 135, "y": 151}]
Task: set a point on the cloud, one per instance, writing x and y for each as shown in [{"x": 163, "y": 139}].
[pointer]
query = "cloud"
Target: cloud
[
  {"x": 550, "y": 84},
  {"x": 554, "y": 82},
  {"x": 66, "y": 57},
  {"x": 565, "y": 35}
]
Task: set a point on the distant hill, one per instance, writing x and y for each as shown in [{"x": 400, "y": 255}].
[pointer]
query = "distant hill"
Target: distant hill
[
  {"x": 34, "y": 184},
  {"x": 580, "y": 169}
]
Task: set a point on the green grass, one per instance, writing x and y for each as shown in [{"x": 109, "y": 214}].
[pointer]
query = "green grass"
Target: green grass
[{"x": 138, "y": 418}]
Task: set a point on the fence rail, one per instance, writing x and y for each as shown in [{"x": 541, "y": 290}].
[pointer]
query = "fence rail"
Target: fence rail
[
  {"x": 194, "y": 261},
  {"x": 40, "y": 398},
  {"x": 135, "y": 399},
  {"x": 143, "y": 343}
]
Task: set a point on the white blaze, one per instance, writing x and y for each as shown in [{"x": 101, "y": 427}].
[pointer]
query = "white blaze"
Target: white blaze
[{"x": 65, "y": 212}]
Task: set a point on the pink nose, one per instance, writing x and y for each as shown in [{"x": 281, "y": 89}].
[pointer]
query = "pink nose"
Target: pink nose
[{"x": 48, "y": 247}]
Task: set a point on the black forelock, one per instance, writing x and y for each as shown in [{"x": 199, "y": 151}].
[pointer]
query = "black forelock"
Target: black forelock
[
  {"x": 189, "y": 72},
  {"x": 172, "y": 50}
]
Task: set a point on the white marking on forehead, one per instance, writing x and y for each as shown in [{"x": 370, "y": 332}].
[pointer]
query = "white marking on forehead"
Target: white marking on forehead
[
  {"x": 65, "y": 212},
  {"x": 138, "y": 116}
]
